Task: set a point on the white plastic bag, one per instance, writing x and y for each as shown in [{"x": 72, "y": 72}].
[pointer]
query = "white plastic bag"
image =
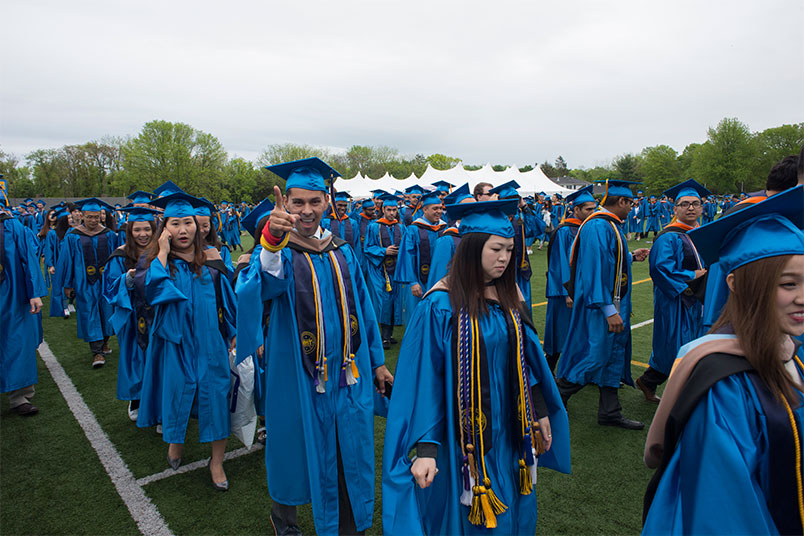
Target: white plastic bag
[{"x": 243, "y": 414}]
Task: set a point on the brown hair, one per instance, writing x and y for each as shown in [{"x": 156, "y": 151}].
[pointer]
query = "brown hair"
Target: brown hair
[
  {"x": 751, "y": 312},
  {"x": 199, "y": 257},
  {"x": 479, "y": 187},
  {"x": 46, "y": 225},
  {"x": 466, "y": 279},
  {"x": 130, "y": 247}
]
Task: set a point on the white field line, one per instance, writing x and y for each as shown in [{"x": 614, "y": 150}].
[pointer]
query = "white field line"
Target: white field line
[
  {"x": 149, "y": 521},
  {"x": 200, "y": 464},
  {"x": 641, "y": 324}
]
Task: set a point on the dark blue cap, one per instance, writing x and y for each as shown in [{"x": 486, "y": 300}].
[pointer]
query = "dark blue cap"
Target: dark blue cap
[
  {"x": 307, "y": 174},
  {"x": 584, "y": 195},
  {"x": 618, "y": 188},
  {"x": 378, "y": 193},
  {"x": 93, "y": 204},
  {"x": 139, "y": 214},
  {"x": 342, "y": 196},
  {"x": 367, "y": 203},
  {"x": 389, "y": 200},
  {"x": 442, "y": 186},
  {"x": 458, "y": 194},
  {"x": 415, "y": 189},
  {"x": 430, "y": 198},
  {"x": 141, "y": 197},
  {"x": 485, "y": 217},
  {"x": 206, "y": 208},
  {"x": 250, "y": 221},
  {"x": 688, "y": 188},
  {"x": 509, "y": 189},
  {"x": 169, "y": 187},
  {"x": 178, "y": 205}
]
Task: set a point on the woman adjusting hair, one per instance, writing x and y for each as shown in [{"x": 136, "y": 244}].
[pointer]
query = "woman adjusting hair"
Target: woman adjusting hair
[{"x": 473, "y": 396}]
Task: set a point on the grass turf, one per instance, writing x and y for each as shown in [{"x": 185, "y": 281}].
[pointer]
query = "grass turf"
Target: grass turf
[{"x": 53, "y": 483}]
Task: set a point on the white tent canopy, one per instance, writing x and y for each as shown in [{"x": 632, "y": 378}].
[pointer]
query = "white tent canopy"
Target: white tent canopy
[{"x": 530, "y": 182}]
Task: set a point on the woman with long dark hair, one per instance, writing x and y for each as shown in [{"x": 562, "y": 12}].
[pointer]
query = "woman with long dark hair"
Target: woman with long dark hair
[
  {"x": 473, "y": 396},
  {"x": 127, "y": 298},
  {"x": 187, "y": 364},
  {"x": 47, "y": 227},
  {"x": 50, "y": 251},
  {"x": 203, "y": 215},
  {"x": 726, "y": 439}
]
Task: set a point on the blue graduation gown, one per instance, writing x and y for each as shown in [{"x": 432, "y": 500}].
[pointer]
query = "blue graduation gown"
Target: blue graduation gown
[
  {"x": 557, "y": 319},
  {"x": 187, "y": 361},
  {"x": 422, "y": 408},
  {"x": 442, "y": 258},
  {"x": 388, "y": 306},
  {"x": 20, "y": 331},
  {"x": 596, "y": 355},
  {"x": 534, "y": 226},
  {"x": 300, "y": 452},
  {"x": 677, "y": 318},
  {"x": 653, "y": 218},
  {"x": 642, "y": 215},
  {"x": 717, "y": 481},
  {"x": 93, "y": 310},
  {"x": 338, "y": 228},
  {"x": 409, "y": 260},
  {"x": 50, "y": 250},
  {"x": 124, "y": 323}
]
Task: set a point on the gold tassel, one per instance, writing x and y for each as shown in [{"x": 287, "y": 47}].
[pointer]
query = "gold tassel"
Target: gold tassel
[
  {"x": 495, "y": 503},
  {"x": 470, "y": 457},
  {"x": 525, "y": 483},
  {"x": 476, "y": 513},
  {"x": 355, "y": 372},
  {"x": 488, "y": 513}
]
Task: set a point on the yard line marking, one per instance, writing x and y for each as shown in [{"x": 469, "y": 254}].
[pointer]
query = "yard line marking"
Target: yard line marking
[
  {"x": 535, "y": 305},
  {"x": 645, "y": 323},
  {"x": 143, "y": 511},
  {"x": 200, "y": 464},
  {"x": 640, "y": 364}
]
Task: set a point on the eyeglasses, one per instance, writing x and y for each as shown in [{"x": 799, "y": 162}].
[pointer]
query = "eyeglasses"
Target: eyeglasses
[{"x": 687, "y": 204}]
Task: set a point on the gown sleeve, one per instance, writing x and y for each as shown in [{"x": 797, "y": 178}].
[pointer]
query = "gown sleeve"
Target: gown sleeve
[{"x": 665, "y": 265}]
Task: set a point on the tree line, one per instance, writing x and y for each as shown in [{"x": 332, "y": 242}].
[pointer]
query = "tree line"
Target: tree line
[{"x": 732, "y": 159}]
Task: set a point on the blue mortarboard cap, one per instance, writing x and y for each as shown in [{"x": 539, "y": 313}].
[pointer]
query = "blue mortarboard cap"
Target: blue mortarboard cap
[
  {"x": 27, "y": 200},
  {"x": 506, "y": 190},
  {"x": 93, "y": 204},
  {"x": 640, "y": 192},
  {"x": 342, "y": 196},
  {"x": 178, "y": 205},
  {"x": 687, "y": 188},
  {"x": 651, "y": 196},
  {"x": 485, "y": 217},
  {"x": 442, "y": 186},
  {"x": 139, "y": 214},
  {"x": 542, "y": 194},
  {"x": 250, "y": 220},
  {"x": 430, "y": 198},
  {"x": 140, "y": 197},
  {"x": 415, "y": 189},
  {"x": 378, "y": 193},
  {"x": 618, "y": 188},
  {"x": 168, "y": 188},
  {"x": 766, "y": 229},
  {"x": 308, "y": 174},
  {"x": 206, "y": 208},
  {"x": 389, "y": 200},
  {"x": 458, "y": 194},
  {"x": 367, "y": 203},
  {"x": 399, "y": 193},
  {"x": 584, "y": 195}
]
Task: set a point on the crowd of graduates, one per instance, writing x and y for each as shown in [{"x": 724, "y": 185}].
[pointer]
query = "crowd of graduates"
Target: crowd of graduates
[{"x": 477, "y": 398}]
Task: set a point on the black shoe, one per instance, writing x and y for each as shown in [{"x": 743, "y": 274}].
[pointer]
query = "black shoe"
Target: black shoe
[
  {"x": 25, "y": 409},
  {"x": 650, "y": 396},
  {"x": 393, "y": 341},
  {"x": 386, "y": 344},
  {"x": 281, "y": 529},
  {"x": 621, "y": 422}
]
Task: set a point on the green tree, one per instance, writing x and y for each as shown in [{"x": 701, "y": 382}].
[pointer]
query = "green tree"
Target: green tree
[
  {"x": 685, "y": 162},
  {"x": 626, "y": 167},
  {"x": 18, "y": 178},
  {"x": 240, "y": 180},
  {"x": 561, "y": 167},
  {"x": 724, "y": 161},
  {"x": 549, "y": 170},
  {"x": 773, "y": 144},
  {"x": 526, "y": 168},
  {"x": 660, "y": 168},
  {"x": 442, "y": 161}
]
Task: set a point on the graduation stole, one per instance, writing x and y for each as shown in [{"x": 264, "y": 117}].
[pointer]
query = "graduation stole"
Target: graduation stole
[
  {"x": 94, "y": 259},
  {"x": 454, "y": 233},
  {"x": 520, "y": 250},
  {"x": 347, "y": 229},
  {"x": 143, "y": 312},
  {"x": 389, "y": 261},
  {"x": 690, "y": 259},
  {"x": 364, "y": 221},
  {"x": 3, "y": 217},
  {"x": 310, "y": 314},
  {"x": 620, "y": 262},
  {"x": 474, "y": 404},
  {"x": 425, "y": 254}
]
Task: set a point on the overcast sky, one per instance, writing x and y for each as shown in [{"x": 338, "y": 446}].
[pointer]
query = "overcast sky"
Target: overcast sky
[{"x": 493, "y": 81}]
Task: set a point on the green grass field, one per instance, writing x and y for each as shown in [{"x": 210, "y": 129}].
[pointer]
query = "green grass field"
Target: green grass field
[{"x": 53, "y": 481}]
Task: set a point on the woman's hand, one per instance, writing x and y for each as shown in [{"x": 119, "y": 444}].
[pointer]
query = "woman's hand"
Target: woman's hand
[
  {"x": 547, "y": 432},
  {"x": 424, "y": 471},
  {"x": 52, "y": 270},
  {"x": 164, "y": 242}
]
